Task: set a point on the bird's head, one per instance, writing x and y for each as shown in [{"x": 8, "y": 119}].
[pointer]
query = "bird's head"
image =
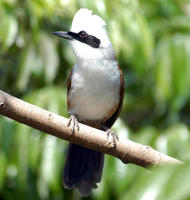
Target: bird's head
[{"x": 88, "y": 35}]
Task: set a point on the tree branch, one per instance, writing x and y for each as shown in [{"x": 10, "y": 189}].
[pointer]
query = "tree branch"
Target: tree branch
[{"x": 38, "y": 118}]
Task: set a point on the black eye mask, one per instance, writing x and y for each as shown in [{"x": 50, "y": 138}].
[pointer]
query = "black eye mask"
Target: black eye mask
[{"x": 83, "y": 37}]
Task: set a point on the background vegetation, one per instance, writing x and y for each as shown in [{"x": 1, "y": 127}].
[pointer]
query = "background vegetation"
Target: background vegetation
[{"x": 152, "y": 42}]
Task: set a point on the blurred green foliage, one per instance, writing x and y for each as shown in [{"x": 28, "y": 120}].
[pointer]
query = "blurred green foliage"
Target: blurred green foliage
[{"x": 152, "y": 42}]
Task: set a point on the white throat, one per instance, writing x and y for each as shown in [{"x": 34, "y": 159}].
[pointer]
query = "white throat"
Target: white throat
[{"x": 95, "y": 89}]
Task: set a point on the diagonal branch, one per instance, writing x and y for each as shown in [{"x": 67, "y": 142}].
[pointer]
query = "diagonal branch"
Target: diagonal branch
[{"x": 126, "y": 150}]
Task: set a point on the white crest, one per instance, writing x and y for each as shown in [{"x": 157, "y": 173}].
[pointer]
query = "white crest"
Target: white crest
[
  {"x": 94, "y": 25},
  {"x": 85, "y": 20}
]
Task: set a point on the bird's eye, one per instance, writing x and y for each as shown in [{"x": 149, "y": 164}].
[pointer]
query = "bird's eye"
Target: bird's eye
[{"x": 83, "y": 34}]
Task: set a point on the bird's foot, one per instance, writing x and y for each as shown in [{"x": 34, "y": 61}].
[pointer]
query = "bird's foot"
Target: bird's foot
[
  {"x": 112, "y": 142},
  {"x": 73, "y": 123}
]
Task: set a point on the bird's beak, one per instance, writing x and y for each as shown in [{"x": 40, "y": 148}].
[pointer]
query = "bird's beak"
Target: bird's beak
[{"x": 64, "y": 34}]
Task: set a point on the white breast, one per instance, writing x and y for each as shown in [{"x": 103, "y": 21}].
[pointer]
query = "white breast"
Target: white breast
[{"x": 94, "y": 89}]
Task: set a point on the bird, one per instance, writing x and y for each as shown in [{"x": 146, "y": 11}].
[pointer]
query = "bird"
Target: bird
[{"x": 95, "y": 92}]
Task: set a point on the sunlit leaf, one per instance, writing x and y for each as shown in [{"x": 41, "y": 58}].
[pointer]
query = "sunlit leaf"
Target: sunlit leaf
[{"x": 49, "y": 57}]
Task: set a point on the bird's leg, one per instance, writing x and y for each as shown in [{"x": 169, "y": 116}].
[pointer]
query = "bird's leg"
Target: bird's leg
[
  {"x": 114, "y": 137},
  {"x": 73, "y": 123},
  {"x": 111, "y": 143}
]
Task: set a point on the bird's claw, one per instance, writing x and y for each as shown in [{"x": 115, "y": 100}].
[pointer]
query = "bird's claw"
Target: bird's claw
[
  {"x": 73, "y": 122},
  {"x": 114, "y": 136}
]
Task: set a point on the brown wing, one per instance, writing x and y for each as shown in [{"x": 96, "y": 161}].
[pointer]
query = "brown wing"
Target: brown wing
[
  {"x": 69, "y": 87},
  {"x": 109, "y": 122}
]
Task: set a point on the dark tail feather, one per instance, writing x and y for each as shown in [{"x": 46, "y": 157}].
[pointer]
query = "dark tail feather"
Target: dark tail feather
[{"x": 83, "y": 169}]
